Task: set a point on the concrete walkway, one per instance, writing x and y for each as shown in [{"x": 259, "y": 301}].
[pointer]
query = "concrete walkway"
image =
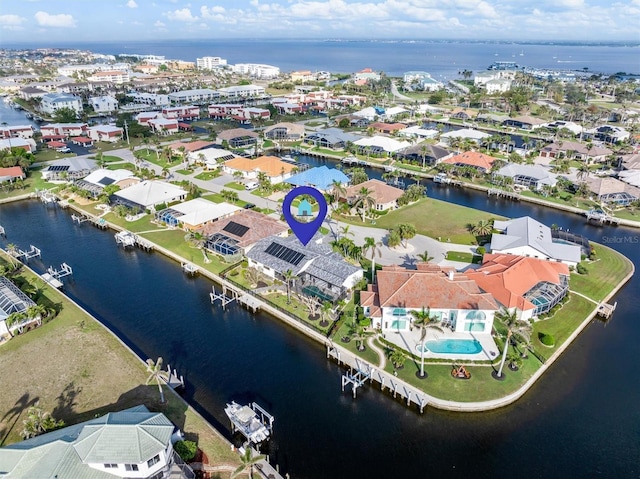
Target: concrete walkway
[{"x": 371, "y": 342}]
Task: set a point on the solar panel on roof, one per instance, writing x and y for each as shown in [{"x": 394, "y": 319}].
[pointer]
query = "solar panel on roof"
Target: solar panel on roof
[
  {"x": 236, "y": 229},
  {"x": 284, "y": 253},
  {"x": 106, "y": 181},
  {"x": 59, "y": 168}
]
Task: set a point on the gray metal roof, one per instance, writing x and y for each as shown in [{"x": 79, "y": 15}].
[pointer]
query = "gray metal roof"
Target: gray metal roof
[
  {"x": 541, "y": 174},
  {"x": 132, "y": 436}
]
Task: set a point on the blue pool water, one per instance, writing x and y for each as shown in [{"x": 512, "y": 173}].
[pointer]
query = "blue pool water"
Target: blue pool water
[{"x": 453, "y": 346}]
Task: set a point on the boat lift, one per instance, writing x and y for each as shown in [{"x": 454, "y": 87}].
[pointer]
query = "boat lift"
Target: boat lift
[{"x": 65, "y": 270}]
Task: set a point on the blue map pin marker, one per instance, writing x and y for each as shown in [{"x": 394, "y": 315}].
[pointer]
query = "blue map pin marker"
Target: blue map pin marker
[{"x": 304, "y": 231}]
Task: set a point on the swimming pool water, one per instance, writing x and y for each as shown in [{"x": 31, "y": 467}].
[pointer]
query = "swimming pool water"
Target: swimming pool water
[{"x": 453, "y": 346}]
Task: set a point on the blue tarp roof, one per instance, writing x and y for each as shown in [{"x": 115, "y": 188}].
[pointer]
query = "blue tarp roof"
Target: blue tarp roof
[{"x": 321, "y": 177}]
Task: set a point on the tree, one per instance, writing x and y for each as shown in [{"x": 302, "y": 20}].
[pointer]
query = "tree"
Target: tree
[
  {"x": 358, "y": 333},
  {"x": 338, "y": 192},
  {"x": 358, "y": 175},
  {"x": 157, "y": 374},
  {"x": 248, "y": 461},
  {"x": 372, "y": 246},
  {"x": 326, "y": 312},
  {"x": 394, "y": 238},
  {"x": 38, "y": 422},
  {"x": 253, "y": 276},
  {"x": 289, "y": 278},
  {"x": 396, "y": 356},
  {"x": 424, "y": 257},
  {"x": 423, "y": 320},
  {"x": 65, "y": 115},
  {"x": 406, "y": 232},
  {"x": 15, "y": 319},
  {"x": 364, "y": 201},
  {"x": 238, "y": 175},
  {"x": 482, "y": 228},
  {"x": 516, "y": 328}
]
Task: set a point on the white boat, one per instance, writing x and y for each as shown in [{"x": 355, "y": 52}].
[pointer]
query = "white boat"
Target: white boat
[
  {"x": 287, "y": 158},
  {"x": 441, "y": 178},
  {"x": 248, "y": 420}
]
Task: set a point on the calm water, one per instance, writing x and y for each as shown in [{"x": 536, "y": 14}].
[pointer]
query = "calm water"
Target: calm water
[
  {"x": 443, "y": 59},
  {"x": 580, "y": 420}
]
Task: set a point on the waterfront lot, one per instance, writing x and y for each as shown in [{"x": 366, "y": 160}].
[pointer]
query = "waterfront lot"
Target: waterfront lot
[{"x": 76, "y": 370}]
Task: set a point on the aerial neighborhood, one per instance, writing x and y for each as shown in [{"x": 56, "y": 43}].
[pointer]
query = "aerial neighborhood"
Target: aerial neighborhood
[{"x": 194, "y": 159}]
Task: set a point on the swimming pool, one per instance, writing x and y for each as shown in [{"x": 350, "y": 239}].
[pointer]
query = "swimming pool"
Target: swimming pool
[{"x": 452, "y": 346}]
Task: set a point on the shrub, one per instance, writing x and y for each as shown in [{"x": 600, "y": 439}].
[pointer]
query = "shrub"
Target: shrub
[
  {"x": 546, "y": 339},
  {"x": 581, "y": 269},
  {"x": 186, "y": 449},
  {"x": 481, "y": 250}
]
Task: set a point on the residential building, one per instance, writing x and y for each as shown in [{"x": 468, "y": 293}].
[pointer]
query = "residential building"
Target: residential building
[
  {"x": 527, "y": 237},
  {"x": 497, "y": 85},
  {"x": 12, "y": 300},
  {"x": 572, "y": 150},
  {"x": 464, "y": 134},
  {"x": 11, "y": 174},
  {"x": 276, "y": 170},
  {"x": 302, "y": 76},
  {"x": 524, "y": 122},
  {"x": 111, "y": 76},
  {"x": 256, "y": 70},
  {"x": 473, "y": 159},
  {"x": 64, "y": 130},
  {"x": 534, "y": 177},
  {"x": 210, "y": 63},
  {"x": 609, "y": 134},
  {"x": 238, "y": 137},
  {"x": 103, "y": 104},
  {"x": 182, "y": 113},
  {"x": 30, "y": 92},
  {"x": 385, "y": 196},
  {"x": 148, "y": 194},
  {"x": 68, "y": 169},
  {"x": 333, "y": 138},
  {"x": 424, "y": 153},
  {"x": 108, "y": 133},
  {"x": 320, "y": 271},
  {"x": 95, "y": 182},
  {"x": 200, "y": 95},
  {"x": 234, "y": 236},
  {"x": 70, "y": 70},
  {"x": 387, "y": 128},
  {"x": 133, "y": 443},
  {"x": 418, "y": 132},
  {"x": 321, "y": 177},
  {"x": 26, "y": 144},
  {"x": 529, "y": 286},
  {"x": 421, "y": 81},
  {"x": 184, "y": 148},
  {"x": 152, "y": 99},
  {"x": 284, "y": 131},
  {"x": 146, "y": 116},
  {"x": 210, "y": 158},
  {"x": 366, "y": 74},
  {"x": 164, "y": 126},
  {"x": 379, "y": 145},
  {"x": 242, "y": 91},
  {"x": 195, "y": 213},
  {"x": 611, "y": 190},
  {"x": 16, "y": 131},
  {"x": 455, "y": 300},
  {"x": 52, "y": 102}
]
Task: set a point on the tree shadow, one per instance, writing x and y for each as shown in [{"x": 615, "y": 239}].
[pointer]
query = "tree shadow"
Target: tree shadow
[
  {"x": 409, "y": 261},
  {"x": 14, "y": 414},
  {"x": 66, "y": 401}
]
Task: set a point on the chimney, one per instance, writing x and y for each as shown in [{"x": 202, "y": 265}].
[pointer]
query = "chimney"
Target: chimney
[{"x": 451, "y": 273}]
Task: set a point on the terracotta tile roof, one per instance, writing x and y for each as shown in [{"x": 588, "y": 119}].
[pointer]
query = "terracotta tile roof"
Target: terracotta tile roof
[
  {"x": 380, "y": 191},
  {"x": 429, "y": 286},
  {"x": 12, "y": 171},
  {"x": 472, "y": 158},
  {"x": 260, "y": 226},
  {"x": 387, "y": 126},
  {"x": 271, "y": 165},
  {"x": 508, "y": 277}
]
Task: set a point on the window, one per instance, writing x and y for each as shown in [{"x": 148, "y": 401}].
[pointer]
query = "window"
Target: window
[
  {"x": 154, "y": 460},
  {"x": 130, "y": 467},
  {"x": 111, "y": 466},
  {"x": 399, "y": 312}
]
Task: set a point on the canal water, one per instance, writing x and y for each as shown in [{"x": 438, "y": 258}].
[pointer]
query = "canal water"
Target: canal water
[{"x": 580, "y": 420}]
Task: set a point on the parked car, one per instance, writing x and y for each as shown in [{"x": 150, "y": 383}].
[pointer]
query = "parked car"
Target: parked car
[
  {"x": 64, "y": 149},
  {"x": 249, "y": 206},
  {"x": 251, "y": 185}
]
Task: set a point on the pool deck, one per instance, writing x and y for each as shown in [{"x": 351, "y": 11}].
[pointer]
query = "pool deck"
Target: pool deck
[{"x": 410, "y": 340}]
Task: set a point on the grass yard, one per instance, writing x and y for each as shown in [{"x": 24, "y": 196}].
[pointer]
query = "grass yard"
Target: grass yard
[
  {"x": 464, "y": 257},
  {"x": 111, "y": 158},
  {"x": 76, "y": 370},
  {"x": 234, "y": 185},
  {"x": 207, "y": 175},
  {"x": 604, "y": 274},
  {"x": 437, "y": 219},
  {"x": 32, "y": 183}
]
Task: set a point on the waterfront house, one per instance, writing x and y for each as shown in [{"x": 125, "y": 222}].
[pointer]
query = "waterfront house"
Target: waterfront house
[
  {"x": 467, "y": 134},
  {"x": 133, "y": 443},
  {"x": 387, "y": 128},
  {"x": 612, "y": 190},
  {"x": 95, "y": 182},
  {"x": 527, "y": 237},
  {"x": 209, "y": 157},
  {"x": 12, "y": 300},
  {"x": 148, "y": 194},
  {"x": 462, "y": 114},
  {"x": 238, "y": 138},
  {"x": 103, "y": 104},
  {"x": 272, "y": 166},
  {"x": 31, "y": 92},
  {"x": 609, "y": 134},
  {"x": 321, "y": 272},
  {"x": 379, "y": 145},
  {"x": 179, "y": 147},
  {"x": 418, "y": 132},
  {"x": 424, "y": 152},
  {"x": 333, "y": 138},
  {"x": 320, "y": 177},
  {"x": 472, "y": 159},
  {"x": 528, "y": 285},
  {"x": 524, "y": 122},
  {"x": 107, "y": 133},
  {"x": 52, "y": 102},
  {"x": 572, "y": 150},
  {"x": 284, "y": 131},
  {"x": 196, "y": 213},
  {"x": 68, "y": 169},
  {"x": 534, "y": 177},
  {"x": 233, "y": 236},
  {"x": 64, "y": 130},
  {"x": 385, "y": 196},
  {"x": 454, "y": 299},
  {"x": 11, "y": 174},
  {"x": 17, "y": 131}
]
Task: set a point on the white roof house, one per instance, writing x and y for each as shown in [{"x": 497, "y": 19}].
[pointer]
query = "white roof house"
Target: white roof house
[
  {"x": 528, "y": 237},
  {"x": 418, "y": 132},
  {"x": 631, "y": 177},
  {"x": 387, "y": 144},
  {"x": 210, "y": 156},
  {"x": 369, "y": 113},
  {"x": 465, "y": 133},
  {"x": 199, "y": 212},
  {"x": 150, "y": 193},
  {"x": 129, "y": 443},
  {"x": 528, "y": 175},
  {"x": 394, "y": 111}
]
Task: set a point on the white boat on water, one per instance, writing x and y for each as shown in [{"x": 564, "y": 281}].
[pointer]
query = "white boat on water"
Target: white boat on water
[
  {"x": 250, "y": 421},
  {"x": 287, "y": 158},
  {"x": 441, "y": 178}
]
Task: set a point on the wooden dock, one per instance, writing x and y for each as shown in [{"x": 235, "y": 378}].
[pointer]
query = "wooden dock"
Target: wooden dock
[
  {"x": 510, "y": 195},
  {"x": 52, "y": 281},
  {"x": 605, "y": 310},
  {"x": 601, "y": 217},
  {"x": 230, "y": 294},
  {"x": 174, "y": 381},
  {"x": 189, "y": 268}
]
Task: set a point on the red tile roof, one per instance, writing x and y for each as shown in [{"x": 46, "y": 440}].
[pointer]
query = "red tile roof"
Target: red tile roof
[
  {"x": 508, "y": 277},
  {"x": 429, "y": 286},
  {"x": 13, "y": 172},
  {"x": 191, "y": 146},
  {"x": 380, "y": 191},
  {"x": 472, "y": 158}
]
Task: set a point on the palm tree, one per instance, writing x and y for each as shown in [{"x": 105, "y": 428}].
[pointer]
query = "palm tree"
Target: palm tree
[
  {"x": 39, "y": 422},
  {"x": 583, "y": 172},
  {"x": 344, "y": 231},
  {"x": 423, "y": 320},
  {"x": 37, "y": 312},
  {"x": 248, "y": 461},
  {"x": 516, "y": 327},
  {"x": 15, "y": 319},
  {"x": 364, "y": 201},
  {"x": 406, "y": 232},
  {"x": 338, "y": 192},
  {"x": 326, "y": 312},
  {"x": 157, "y": 374},
  {"x": 396, "y": 356},
  {"x": 482, "y": 228},
  {"x": 373, "y": 246},
  {"x": 425, "y": 256},
  {"x": 289, "y": 278}
]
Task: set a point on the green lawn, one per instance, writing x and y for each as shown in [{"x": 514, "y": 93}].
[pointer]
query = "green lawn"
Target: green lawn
[
  {"x": 234, "y": 185},
  {"x": 571, "y": 200},
  {"x": 33, "y": 182},
  {"x": 111, "y": 158},
  {"x": 437, "y": 219},
  {"x": 208, "y": 175},
  {"x": 296, "y": 308},
  {"x": 464, "y": 257},
  {"x": 604, "y": 274}
]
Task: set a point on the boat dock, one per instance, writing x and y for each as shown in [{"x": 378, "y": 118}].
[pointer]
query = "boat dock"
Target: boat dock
[
  {"x": 64, "y": 271},
  {"x": 174, "y": 381},
  {"x": 47, "y": 197},
  {"x": 605, "y": 310},
  {"x": 601, "y": 217},
  {"x": 2, "y": 233},
  {"x": 127, "y": 238},
  {"x": 510, "y": 195},
  {"x": 360, "y": 372},
  {"x": 252, "y": 421},
  {"x": 33, "y": 252},
  {"x": 244, "y": 299},
  {"x": 189, "y": 268},
  {"x": 51, "y": 281}
]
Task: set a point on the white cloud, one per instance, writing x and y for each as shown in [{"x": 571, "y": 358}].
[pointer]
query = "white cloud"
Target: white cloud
[
  {"x": 132, "y": 4},
  {"x": 45, "y": 19},
  {"x": 181, "y": 15},
  {"x": 159, "y": 24},
  {"x": 211, "y": 12},
  {"x": 11, "y": 20}
]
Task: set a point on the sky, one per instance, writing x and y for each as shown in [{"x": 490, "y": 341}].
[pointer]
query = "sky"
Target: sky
[{"x": 511, "y": 20}]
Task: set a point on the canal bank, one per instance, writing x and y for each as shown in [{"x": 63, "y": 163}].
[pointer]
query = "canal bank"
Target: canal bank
[{"x": 418, "y": 397}]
